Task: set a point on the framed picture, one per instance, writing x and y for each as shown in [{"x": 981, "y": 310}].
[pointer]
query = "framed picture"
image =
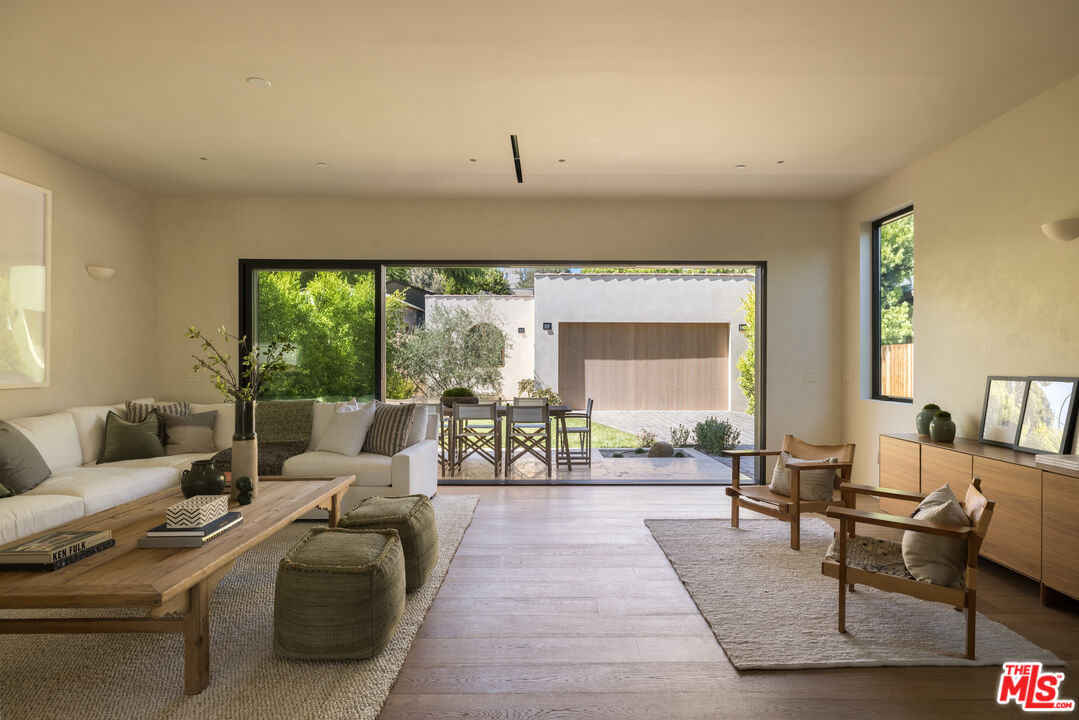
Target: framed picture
[
  {"x": 1048, "y": 417},
  {"x": 1002, "y": 409},
  {"x": 24, "y": 284}
]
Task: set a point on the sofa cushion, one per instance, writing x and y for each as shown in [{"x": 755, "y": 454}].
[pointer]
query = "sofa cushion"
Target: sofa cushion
[
  {"x": 179, "y": 462},
  {"x": 418, "y": 431},
  {"x": 130, "y": 440},
  {"x": 21, "y": 465},
  {"x": 321, "y": 415},
  {"x": 26, "y": 514},
  {"x": 55, "y": 437},
  {"x": 347, "y": 430},
  {"x": 193, "y": 433},
  {"x": 105, "y": 486},
  {"x": 90, "y": 422},
  {"x": 272, "y": 457},
  {"x": 370, "y": 469},
  {"x": 390, "y": 428},
  {"x": 225, "y": 425}
]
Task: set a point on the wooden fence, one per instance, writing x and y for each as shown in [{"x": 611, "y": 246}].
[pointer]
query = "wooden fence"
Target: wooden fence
[{"x": 897, "y": 370}]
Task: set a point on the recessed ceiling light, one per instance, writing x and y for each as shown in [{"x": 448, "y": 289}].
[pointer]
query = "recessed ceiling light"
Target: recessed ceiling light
[
  {"x": 258, "y": 82},
  {"x": 780, "y": 162},
  {"x": 740, "y": 167},
  {"x": 561, "y": 159},
  {"x": 204, "y": 158},
  {"x": 472, "y": 159},
  {"x": 322, "y": 164}
]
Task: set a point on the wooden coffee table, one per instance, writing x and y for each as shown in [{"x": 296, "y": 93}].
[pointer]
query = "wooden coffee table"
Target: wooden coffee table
[{"x": 173, "y": 585}]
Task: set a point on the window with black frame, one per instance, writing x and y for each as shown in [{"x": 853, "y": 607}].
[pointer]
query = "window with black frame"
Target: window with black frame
[{"x": 893, "y": 306}]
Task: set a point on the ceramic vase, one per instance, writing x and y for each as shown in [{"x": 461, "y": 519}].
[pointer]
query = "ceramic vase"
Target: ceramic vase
[
  {"x": 245, "y": 450},
  {"x": 923, "y": 418},
  {"x": 942, "y": 429},
  {"x": 202, "y": 479}
]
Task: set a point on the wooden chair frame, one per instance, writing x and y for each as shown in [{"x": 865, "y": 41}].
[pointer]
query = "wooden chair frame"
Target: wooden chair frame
[
  {"x": 470, "y": 440},
  {"x": 524, "y": 437},
  {"x": 977, "y": 507},
  {"x": 584, "y": 435},
  {"x": 759, "y": 498}
]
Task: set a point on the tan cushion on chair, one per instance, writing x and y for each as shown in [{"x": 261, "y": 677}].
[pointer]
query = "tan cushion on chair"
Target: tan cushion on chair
[
  {"x": 813, "y": 485},
  {"x": 934, "y": 558}
]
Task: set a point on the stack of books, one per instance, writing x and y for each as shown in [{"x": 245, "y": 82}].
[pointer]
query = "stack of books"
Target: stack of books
[
  {"x": 164, "y": 536},
  {"x": 54, "y": 550}
]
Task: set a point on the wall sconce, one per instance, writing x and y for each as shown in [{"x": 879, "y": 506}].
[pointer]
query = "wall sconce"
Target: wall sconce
[
  {"x": 742, "y": 327},
  {"x": 100, "y": 272},
  {"x": 1062, "y": 230},
  {"x": 521, "y": 331},
  {"x": 546, "y": 326}
]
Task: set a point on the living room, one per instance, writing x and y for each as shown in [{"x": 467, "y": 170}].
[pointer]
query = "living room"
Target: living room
[{"x": 699, "y": 133}]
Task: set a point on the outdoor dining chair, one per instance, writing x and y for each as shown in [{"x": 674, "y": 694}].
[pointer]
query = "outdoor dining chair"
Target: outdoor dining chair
[
  {"x": 477, "y": 430},
  {"x": 583, "y": 434},
  {"x": 528, "y": 432}
]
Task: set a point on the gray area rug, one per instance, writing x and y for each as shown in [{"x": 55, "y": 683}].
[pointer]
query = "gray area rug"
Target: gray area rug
[
  {"x": 141, "y": 676},
  {"x": 770, "y": 608}
]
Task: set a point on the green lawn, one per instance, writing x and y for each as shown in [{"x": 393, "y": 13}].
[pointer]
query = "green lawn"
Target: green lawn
[{"x": 605, "y": 436}]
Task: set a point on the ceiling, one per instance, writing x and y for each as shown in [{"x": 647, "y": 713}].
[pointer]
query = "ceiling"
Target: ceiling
[{"x": 638, "y": 98}]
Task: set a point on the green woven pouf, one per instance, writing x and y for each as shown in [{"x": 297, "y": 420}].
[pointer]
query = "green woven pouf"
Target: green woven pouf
[
  {"x": 413, "y": 517},
  {"x": 339, "y": 594}
]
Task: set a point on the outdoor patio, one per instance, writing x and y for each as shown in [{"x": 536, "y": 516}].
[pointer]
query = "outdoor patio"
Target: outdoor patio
[{"x": 695, "y": 469}]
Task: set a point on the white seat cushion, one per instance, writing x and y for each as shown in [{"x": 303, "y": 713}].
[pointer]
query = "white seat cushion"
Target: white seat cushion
[
  {"x": 105, "y": 486},
  {"x": 26, "y": 514},
  {"x": 370, "y": 469},
  {"x": 179, "y": 462},
  {"x": 55, "y": 437}
]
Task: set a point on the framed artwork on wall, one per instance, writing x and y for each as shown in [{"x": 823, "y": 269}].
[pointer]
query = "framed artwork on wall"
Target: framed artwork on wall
[
  {"x": 1048, "y": 417},
  {"x": 24, "y": 284},
  {"x": 1001, "y": 410}
]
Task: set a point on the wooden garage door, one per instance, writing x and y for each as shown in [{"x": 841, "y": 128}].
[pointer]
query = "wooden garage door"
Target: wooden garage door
[{"x": 644, "y": 366}]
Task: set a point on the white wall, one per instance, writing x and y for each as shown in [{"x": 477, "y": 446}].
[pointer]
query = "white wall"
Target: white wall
[
  {"x": 514, "y": 311},
  {"x": 639, "y": 298},
  {"x": 993, "y": 295},
  {"x": 202, "y": 238},
  {"x": 103, "y": 333}
]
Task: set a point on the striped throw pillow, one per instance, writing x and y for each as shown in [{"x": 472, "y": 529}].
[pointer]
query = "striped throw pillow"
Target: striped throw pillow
[
  {"x": 137, "y": 411},
  {"x": 388, "y": 433}
]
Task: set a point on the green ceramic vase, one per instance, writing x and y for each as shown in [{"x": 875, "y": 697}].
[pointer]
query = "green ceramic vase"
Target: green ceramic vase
[
  {"x": 202, "y": 479},
  {"x": 942, "y": 429},
  {"x": 923, "y": 418}
]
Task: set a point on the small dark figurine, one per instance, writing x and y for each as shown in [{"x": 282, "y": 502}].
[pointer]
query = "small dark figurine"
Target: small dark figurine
[{"x": 244, "y": 488}]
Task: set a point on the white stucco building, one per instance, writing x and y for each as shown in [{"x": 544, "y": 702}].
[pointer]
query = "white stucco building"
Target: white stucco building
[{"x": 630, "y": 341}]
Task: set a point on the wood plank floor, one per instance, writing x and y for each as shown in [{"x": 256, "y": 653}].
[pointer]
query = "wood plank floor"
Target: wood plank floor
[{"x": 559, "y": 604}]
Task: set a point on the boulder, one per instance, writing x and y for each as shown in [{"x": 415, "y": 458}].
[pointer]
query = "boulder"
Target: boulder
[{"x": 661, "y": 450}]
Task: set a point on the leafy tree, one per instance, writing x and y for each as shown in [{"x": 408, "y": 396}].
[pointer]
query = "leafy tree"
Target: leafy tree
[
  {"x": 528, "y": 275},
  {"x": 448, "y": 350},
  {"x": 669, "y": 270},
  {"x": 475, "y": 281},
  {"x": 747, "y": 363},
  {"x": 897, "y": 281}
]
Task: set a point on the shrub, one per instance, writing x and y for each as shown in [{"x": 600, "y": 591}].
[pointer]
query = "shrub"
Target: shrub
[
  {"x": 617, "y": 455},
  {"x": 680, "y": 436},
  {"x": 715, "y": 435},
  {"x": 679, "y": 454},
  {"x": 528, "y": 388},
  {"x": 640, "y": 451},
  {"x": 646, "y": 438}
]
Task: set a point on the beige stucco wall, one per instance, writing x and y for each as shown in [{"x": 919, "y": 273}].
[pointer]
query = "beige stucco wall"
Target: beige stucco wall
[
  {"x": 513, "y": 312},
  {"x": 103, "y": 333},
  {"x": 202, "y": 238},
  {"x": 993, "y": 295},
  {"x": 636, "y": 298}
]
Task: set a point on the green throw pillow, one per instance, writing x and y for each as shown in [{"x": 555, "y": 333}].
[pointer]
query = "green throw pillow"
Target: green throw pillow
[
  {"x": 130, "y": 441},
  {"x": 5, "y": 492}
]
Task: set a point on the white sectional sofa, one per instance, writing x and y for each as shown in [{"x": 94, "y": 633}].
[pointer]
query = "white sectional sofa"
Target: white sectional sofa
[{"x": 70, "y": 442}]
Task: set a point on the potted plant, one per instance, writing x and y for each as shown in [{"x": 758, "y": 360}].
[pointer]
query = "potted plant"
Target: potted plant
[
  {"x": 458, "y": 395},
  {"x": 257, "y": 369}
]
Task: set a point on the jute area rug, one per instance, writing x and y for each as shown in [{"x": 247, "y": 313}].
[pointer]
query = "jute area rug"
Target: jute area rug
[
  {"x": 770, "y": 608},
  {"x": 141, "y": 676}
]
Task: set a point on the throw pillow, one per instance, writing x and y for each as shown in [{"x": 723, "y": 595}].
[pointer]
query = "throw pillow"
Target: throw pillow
[
  {"x": 5, "y": 492},
  {"x": 21, "y": 466},
  {"x": 418, "y": 431},
  {"x": 813, "y": 485},
  {"x": 933, "y": 558},
  {"x": 321, "y": 415},
  {"x": 388, "y": 434},
  {"x": 137, "y": 410},
  {"x": 131, "y": 441},
  {"x": 348, "y": 430},
  {"x": 189, "y": 433}
]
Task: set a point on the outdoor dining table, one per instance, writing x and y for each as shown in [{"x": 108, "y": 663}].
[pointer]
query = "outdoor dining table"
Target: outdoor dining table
[{"x": 557, "y": 413}]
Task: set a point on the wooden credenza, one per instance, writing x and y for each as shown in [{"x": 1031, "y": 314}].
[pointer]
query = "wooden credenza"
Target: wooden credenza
[{"x": 1036, "y": 522}]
